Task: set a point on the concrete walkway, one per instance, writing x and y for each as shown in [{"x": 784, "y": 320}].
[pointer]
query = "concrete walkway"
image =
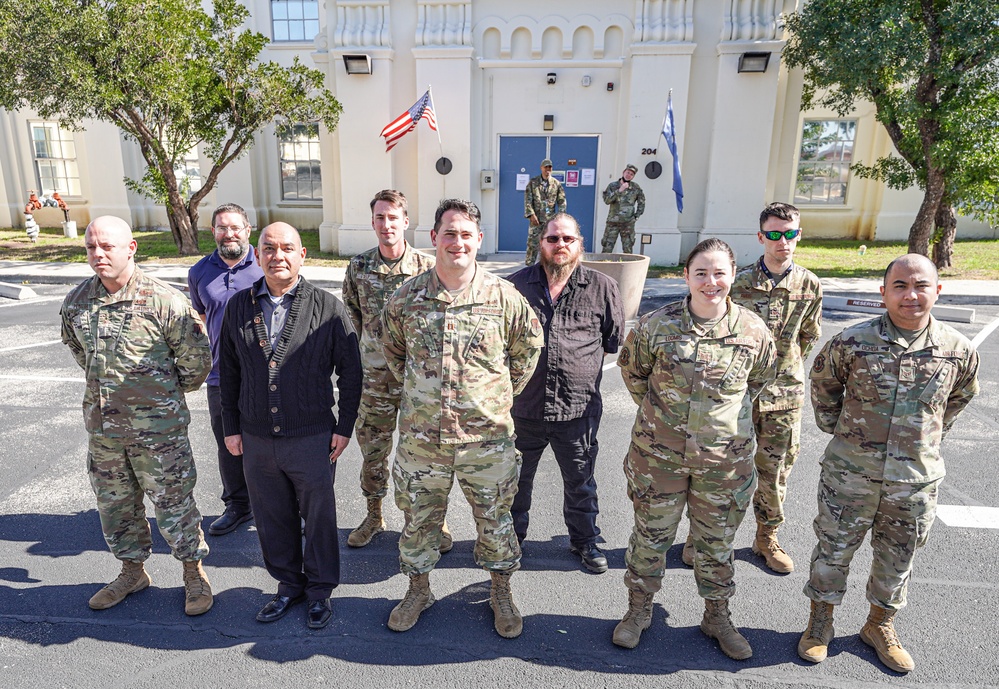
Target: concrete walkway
[{"x": 28, "y": 272}]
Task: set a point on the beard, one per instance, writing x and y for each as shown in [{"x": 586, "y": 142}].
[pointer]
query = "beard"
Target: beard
[
  {"x": 559, "y": 270},
  {"x": 232, "y": 251}
]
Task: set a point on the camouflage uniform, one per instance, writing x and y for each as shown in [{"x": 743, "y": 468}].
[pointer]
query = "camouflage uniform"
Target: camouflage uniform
[
  {"x": 142, "y": 348},
  {"x": 888, "y": 404},
  {"x": 543, "y": 204},
  {"x": 693, "y": 440},
  {"x": 368, "y": 285},
  {"x": 461, "y": 360},
  {"x": 793, "y": 311},
  {"x": 625, "y": 208}
]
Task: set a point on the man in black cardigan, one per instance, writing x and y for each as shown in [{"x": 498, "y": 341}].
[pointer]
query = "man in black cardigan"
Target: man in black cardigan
[{"x": 282, "y": 339}]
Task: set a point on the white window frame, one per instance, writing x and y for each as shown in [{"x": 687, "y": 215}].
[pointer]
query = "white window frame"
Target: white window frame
[
  {"x": 823, "y": 179},
  {"x": 296, "y": 152},
  {"x": 56, "y": 156},
  {"x": 294, "y": 21}
]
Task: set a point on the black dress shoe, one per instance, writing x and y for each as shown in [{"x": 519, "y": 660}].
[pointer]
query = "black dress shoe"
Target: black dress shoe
[
  {"x": 277, "y": 607},
  {"x": 228, "y": 522},
  {"x": 320, "y": 613},
  {"x": 592, "y": 558}
]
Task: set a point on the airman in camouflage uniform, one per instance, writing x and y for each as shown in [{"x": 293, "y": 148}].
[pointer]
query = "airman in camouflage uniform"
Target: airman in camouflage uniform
[
  {"x": 142, "y": 347},
  {"x": 463, "y": 343},
  {"x": 544, "y": 197},
  {"x": 888, "y": 390},
  {"x": 371, "y": 279},
  {"x": 627, "y": 203},
  {"x": 694, "y": 374},
  {"x": 788, "y": 298}
]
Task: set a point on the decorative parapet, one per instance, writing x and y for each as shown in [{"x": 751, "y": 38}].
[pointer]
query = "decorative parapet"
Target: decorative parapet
[
  {"x": 444, "y": 22},
  {"x": 755, "y": 20},
  {"x": 664, "y": 21},
  {"x": 362, "y": 24}
]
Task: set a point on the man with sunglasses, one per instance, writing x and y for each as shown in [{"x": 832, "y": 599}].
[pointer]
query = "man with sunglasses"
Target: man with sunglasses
[
  {"x": 583, "y": 319},
  {"x": 212, "y": 281},
  {"x": 789, "y": 298}
]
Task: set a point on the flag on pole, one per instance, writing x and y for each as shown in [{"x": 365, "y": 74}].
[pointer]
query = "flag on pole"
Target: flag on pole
[
  {"x": 669, "y": 131},
  {"x": 423, "y": 109}
]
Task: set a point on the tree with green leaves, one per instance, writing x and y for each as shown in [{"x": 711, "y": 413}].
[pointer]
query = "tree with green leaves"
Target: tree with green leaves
[
  {"x": 931, "y": 69},
  {"x": 168, "y": 74}
]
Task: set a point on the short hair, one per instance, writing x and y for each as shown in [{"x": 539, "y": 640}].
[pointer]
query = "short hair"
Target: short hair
[
  {"x": 460, "y": 205},
  {"x": 573, "y": 223},
  {"x": 709, "y": 245},
  {"x": 396, "y": 198},
  {"x": 782, "y": 211},
  {"x": 229, "y": 208},
  {"x": 911, "y": 259}
]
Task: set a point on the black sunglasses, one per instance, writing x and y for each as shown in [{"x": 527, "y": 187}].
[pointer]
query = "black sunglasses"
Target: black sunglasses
[
  {"x": 775, "y": 235},
  {"x": 555, "y": 239}
]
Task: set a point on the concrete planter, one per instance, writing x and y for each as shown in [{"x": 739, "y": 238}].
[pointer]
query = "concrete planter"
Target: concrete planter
[
  {"x": 629, "y": 270},
  {"x": 69, "y": 228}
]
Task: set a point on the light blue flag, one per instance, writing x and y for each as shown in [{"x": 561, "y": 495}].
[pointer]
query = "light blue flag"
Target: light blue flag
[{"x": 669, "y": 131}]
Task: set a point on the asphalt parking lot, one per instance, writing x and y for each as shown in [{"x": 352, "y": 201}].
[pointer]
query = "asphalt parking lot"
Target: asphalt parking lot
[{"x": 53, "y": 558}]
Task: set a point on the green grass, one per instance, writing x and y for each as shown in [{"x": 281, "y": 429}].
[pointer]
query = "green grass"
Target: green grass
[
  {"x": 976, "y": 259},
  {"x": 154, "y": 247}
]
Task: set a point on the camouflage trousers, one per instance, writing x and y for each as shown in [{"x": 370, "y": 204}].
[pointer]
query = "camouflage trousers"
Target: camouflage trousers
[
  {"x": 611, "y": 232},
  {"x": 899, "y": 517},
  {"x": 534, "y": 242},
  {"x": 487, "y": 473},
  {"x": 122, "y": 470},
  {"x": 376, "y": 422},
  {"x": 778, "y": 434},
  {"x": 717, "y": 499}
]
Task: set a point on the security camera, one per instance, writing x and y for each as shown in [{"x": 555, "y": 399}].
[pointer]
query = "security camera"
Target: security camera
[{"x": 551, "y": 77}]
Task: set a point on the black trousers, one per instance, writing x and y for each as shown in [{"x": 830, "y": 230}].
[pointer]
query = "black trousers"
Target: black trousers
[
  {"x": 290, "y": 479},
  {"x": 574, "y": 443},
  {"x": 234, "y": 493}
]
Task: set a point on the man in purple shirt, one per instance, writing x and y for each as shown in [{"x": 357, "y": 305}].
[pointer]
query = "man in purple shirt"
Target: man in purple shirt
[
  {"x": 583, "y": 319},
  {"x": 212, "y": 281}
]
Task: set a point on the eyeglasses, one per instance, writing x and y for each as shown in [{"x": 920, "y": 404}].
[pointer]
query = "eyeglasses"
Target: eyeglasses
[
  {"x": 555, "y": 239},
  {"x": 234, "y": 229},
  {"x": 775, "y": 235}
]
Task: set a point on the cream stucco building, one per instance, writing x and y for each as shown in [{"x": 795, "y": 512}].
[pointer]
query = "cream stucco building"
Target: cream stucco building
[{"x": 584, "y": 82}]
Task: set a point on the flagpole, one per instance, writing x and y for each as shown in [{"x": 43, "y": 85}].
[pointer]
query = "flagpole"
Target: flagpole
[{"x": 440, "y": 143}]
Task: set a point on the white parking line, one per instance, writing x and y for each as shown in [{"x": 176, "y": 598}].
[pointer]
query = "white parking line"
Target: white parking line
[
  {"x": 969, "y": 516},
  {"x": 29, "y": 346},
  {"x": 985, "y": 332},
  {"x": 607, "y": 367},
  {"x": 57, "y": 379},
  {"x": 31, "y": 301}
]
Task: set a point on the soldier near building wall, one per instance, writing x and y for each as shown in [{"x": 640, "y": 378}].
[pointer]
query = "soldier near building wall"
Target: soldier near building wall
[
  {"x": 371, "y": 279},
  {"x": 788, "y": 298},
  {"x": 888, "y": 390},
  {"x": 141, "y": 346},
  {"x": 462, "y": 343},
  {"x": 544, "y": 197},
  {"x": 627, "y": 204},
  {"x": 694, "y": 368}
]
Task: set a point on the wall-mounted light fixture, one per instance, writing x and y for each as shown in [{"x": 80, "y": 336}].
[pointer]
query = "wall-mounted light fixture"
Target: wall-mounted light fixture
[
  {"x": 552, "y": 77},
  {"x": 549, "y": 123},
  {"x": 357, "y": 63},
  {"x": 754, "y": 62},
  {"x": 610, "y": 85}
]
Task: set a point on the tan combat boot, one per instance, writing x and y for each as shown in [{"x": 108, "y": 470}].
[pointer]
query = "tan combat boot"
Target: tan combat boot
[
  {"x": 197, "y": 591},
  {"x": 447, "y": 541},
  {"x": 814, "y": 643},
  {"x": 688, "y": 551},
  {"x": 133, "y": 578},
  {"x": 628, "y": 631},
  {"x": 372, "y": 525},
  {"x": 766, "y": 545},
  {"x": 717, "y": 624},
  {"x": 879, "y": 634},
  {"x": 418, "y": 598},
  {"x": 506, "y": 617}
]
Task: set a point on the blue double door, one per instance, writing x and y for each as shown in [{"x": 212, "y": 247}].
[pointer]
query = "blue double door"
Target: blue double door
[{"x": 522, "y": 155}]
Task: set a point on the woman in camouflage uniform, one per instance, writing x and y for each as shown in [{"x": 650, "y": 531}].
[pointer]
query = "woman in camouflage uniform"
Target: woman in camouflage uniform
[{"x": 694, "y": 368}]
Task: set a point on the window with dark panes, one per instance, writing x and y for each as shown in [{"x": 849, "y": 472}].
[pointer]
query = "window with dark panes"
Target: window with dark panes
[{"x": 301, "y": 177}]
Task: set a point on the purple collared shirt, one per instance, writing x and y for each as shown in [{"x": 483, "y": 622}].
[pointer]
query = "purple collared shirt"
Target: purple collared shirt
[{"x": 212, "y": 284}]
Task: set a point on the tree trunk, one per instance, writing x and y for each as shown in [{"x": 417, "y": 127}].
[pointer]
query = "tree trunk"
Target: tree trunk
[
  {"x": 921, "y": 231},
  {"x": 946, "y": 222},
  {"x": 184, "y": 235}
]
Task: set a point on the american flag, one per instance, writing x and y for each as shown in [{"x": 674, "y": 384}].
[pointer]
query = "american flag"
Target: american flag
[{"x": 422, "y": 109}]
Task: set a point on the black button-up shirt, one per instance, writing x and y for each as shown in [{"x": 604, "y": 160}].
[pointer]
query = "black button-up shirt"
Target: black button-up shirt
[{"x": 584, "y": 323}]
